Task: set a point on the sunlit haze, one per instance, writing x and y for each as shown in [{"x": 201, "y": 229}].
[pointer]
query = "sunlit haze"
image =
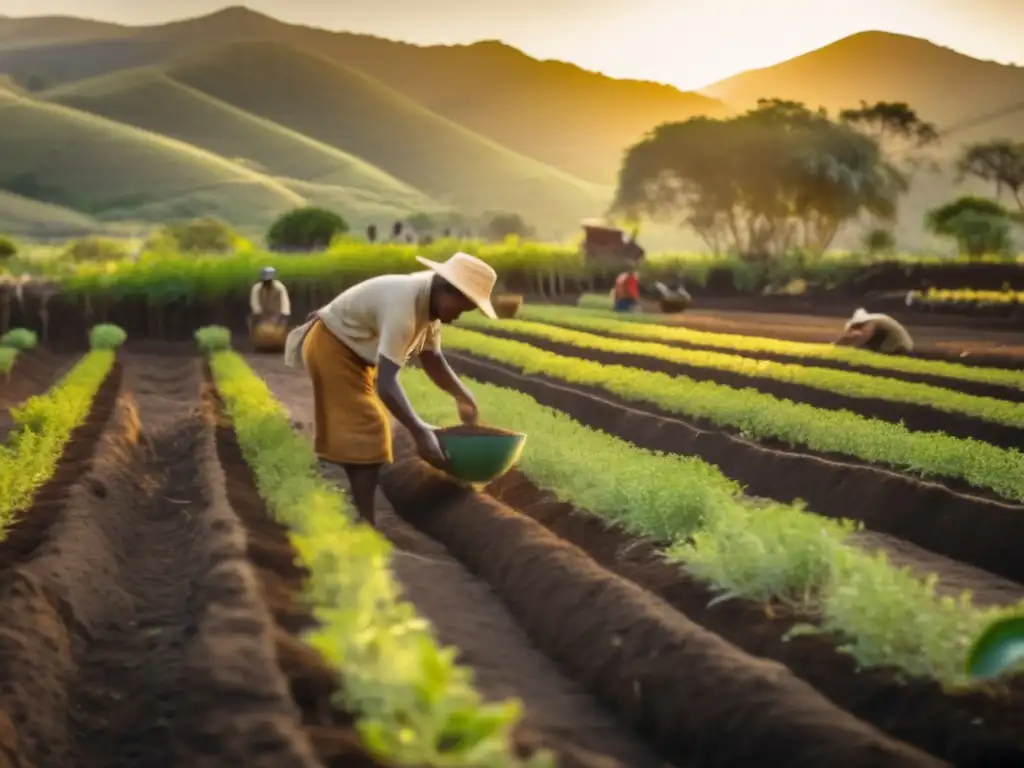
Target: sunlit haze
[{"x": 688, "y": 43}]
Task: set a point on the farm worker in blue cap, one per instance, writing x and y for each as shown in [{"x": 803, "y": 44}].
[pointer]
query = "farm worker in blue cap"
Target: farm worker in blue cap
[
  {"x": 354, "y": 347},
  {"x": 269, "y": 300},
  {"x": 876, "y": 332}
]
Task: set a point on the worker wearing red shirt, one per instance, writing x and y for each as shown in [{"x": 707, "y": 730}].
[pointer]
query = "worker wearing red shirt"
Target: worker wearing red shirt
[{"x": 627, "y": 291}]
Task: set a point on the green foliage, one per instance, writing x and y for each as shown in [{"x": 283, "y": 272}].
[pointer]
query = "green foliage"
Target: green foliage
[
  {"x": 999, "y": 162},
  {"x": 879, "y": 241},
  {"x": 848, "y": 383},
  {"x": 759, "y": 550},
  {"x": 413, "y": 705},
  {"x": 7, "y": 357},
  {"x": 305, "y": 229},
  {"x": 213, "y": 338},
  {"x": 106, "y": 336},
  {"x": 776, "y": 178},
  {"x": 94, "y": 248},
  {"x": 765, "y": 417},
  {"x": 648, "y": 328},
  {"x": 8, "y": 248},
  {"x": 501, "y": 226},
  {"x": 979, "y": 225},
  {"x": 204, "y": 235},
  {"x": 20, "y": 338},
  {"x": 43, "y": 425}
]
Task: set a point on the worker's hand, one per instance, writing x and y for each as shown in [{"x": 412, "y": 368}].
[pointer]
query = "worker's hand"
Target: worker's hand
[
  {"x": 469, "y": 413},
  {"x": 429, "y": 447}
]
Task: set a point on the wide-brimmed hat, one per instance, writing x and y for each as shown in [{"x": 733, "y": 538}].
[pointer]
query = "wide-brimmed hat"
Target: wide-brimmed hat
[{"x": 471, "y": 277}]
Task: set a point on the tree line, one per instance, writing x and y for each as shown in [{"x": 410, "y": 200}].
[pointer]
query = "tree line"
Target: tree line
[{"x": 783, "y": 177}]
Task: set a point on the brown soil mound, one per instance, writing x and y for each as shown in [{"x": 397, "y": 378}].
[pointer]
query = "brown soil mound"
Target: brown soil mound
[
  {"x": 970, "y": 729},
  {"x": 134, "y": 631},
  {"x": 684, "y": 687}
]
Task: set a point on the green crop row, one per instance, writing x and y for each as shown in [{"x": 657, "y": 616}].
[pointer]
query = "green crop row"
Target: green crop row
[
  {"x": 648, "y": 328},
  {"x": 760, "y": 416},
  {"x": 413, "y": 705},
  {"x": 169, "y": 277},
  {"x": 12, "y": 343},
  {"x": 762, "y": 551},
  {"x": 42, "y": 426},
  {"x": 849, "y": 383}
]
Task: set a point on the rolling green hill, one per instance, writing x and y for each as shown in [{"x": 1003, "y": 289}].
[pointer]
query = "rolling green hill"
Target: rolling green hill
[
  {"x": 348, "y": 110},
  {"x": 112, "y": 171},
  {"x": 24, "y": 217},
  {"x": 151, "y": 100},
  {"x": 576, "y": 120}
]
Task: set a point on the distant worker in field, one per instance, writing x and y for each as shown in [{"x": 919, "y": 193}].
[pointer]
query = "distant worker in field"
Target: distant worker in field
[
  {"x": 876, "y": 332},
  {"x": 355, "y": 346},
  {"x": 626, "y": 293},
  {"x": 269, "y": 300}
]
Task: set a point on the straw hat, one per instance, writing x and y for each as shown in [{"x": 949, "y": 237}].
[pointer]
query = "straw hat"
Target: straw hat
[{"x": 471, "y": 277}]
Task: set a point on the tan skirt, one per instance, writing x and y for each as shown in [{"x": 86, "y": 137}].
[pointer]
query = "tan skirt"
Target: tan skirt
[{"x": 351, "y": 423}]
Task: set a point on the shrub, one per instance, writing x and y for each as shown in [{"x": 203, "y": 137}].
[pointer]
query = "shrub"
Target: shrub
[
  {"x": 879, "y": 241},
  {"x": 95, "y": 249},
  {"x": 203, "y": 235},
  {"x": 213, "y": 338},
  {"x": 7, "y": 357},
  {"x": 106, "y": 336},
  {"x": 19, "y": 338},
  {"x": 8, "y": 248},
  {"x": 305, "y": 229},
  {"x": 979, "y": 225}
]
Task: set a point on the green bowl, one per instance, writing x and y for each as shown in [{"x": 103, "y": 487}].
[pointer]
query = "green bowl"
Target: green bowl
[
  {"x": 999, "y": 648},
  {"x": 480, "y": 454}
]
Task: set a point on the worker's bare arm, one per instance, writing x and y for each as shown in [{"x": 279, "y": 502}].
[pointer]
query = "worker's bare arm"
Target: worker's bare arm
[
  {"x": 437, "y": 368},
  {"x": 390, "y": 391},
  {"x": 444, "y": 378},
  {"x": 393, "y": 396}
]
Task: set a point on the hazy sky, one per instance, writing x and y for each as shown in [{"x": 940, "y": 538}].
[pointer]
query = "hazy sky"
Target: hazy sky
[{"x": 688, "y": 43}]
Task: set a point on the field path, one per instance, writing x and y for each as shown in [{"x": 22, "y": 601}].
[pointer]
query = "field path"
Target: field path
[{"x": 466, "y": 613}]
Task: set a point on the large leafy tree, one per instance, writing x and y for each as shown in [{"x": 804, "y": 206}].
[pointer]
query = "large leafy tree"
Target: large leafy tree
[
  {"x": 775, "y": 178},
  {"x": 999, "y": 162}
]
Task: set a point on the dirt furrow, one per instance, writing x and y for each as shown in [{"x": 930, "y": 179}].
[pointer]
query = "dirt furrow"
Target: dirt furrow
[
  {"x": 944, "y": 525},
  {"x": 135, "y": 635},
  {"x": 980, "y": 729},
  {"x": 465, "y": 613}
]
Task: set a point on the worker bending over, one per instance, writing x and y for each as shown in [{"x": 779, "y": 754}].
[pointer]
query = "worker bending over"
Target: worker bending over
[
  {"x": 354, "y": 348},
  {"x": 269, "y": 300},
  {"x": 876, "y": 332},
  {"x": 626, "y": 293}
]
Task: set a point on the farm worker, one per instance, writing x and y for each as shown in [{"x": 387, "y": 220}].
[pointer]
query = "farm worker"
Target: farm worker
[
  {"x": 627, "y": 291},
  {"x": 354, "y": 347},
  {"x": 876, "y": 332},
  {"x": 269, "y": 300}
]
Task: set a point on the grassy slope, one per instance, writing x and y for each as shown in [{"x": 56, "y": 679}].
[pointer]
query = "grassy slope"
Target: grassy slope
[
  {"x": 149, "y": 99},
  {"x": 24, "y": 217},
  {"x": 576, "y": 120},
  {"x": 346, "y": 109},
  {"x": 113, "y": 171}
]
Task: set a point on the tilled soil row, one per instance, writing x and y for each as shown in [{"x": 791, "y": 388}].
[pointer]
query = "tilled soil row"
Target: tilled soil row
[
  {"x": 968, "y": 729},
  {"x": 919, "y": 418},
  {"x": 134, "y": 633},
  {"x": 978, "y": 388},
  {"x": 981, "y": 532},
  {"x": 34, "y": 372},
  {"x": 702, "y": 700},
  {"x": 560, "y": 714}
]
